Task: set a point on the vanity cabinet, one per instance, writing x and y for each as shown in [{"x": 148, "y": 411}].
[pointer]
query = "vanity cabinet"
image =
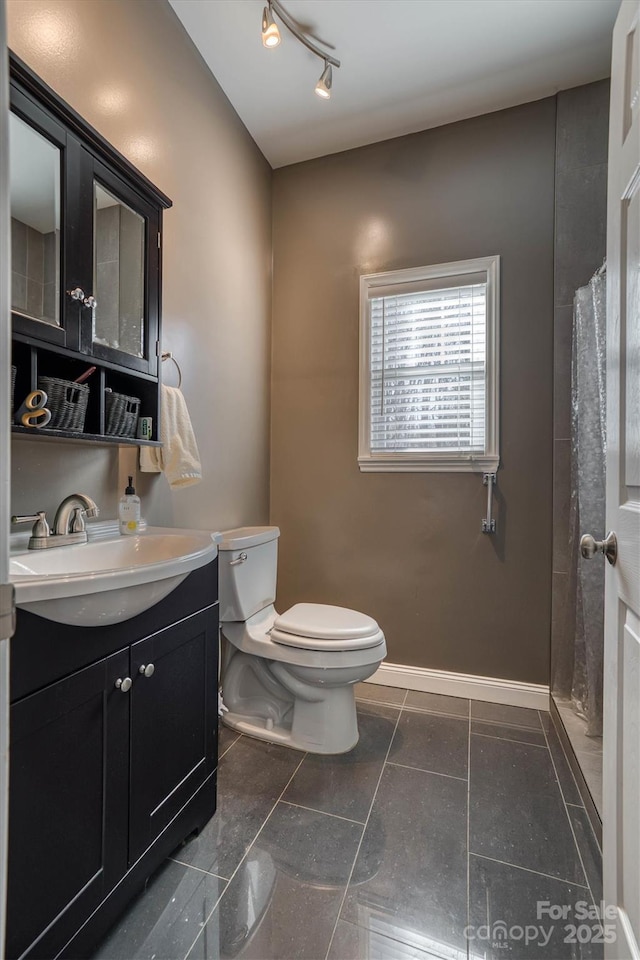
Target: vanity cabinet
[
  {"x": 86, "y": 241},
  {"x": 112, "y": 764}
]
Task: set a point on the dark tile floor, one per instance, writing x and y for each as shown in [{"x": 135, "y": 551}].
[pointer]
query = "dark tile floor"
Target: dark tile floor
[{"x": 447, "y": 832}]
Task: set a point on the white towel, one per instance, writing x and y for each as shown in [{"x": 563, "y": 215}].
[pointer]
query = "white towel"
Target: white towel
[{"x": 178, "y": 456}]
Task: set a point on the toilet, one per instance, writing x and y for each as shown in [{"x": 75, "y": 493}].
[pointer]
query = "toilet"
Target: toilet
[{"x": 288, "y": 678}]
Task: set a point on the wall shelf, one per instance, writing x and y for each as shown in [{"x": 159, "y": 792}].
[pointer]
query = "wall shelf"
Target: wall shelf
[
  {"x": 33, "y": 360},
  {"x": 69, "y": 436}
]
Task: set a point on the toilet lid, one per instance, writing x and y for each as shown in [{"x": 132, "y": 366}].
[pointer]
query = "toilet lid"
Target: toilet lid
[{"x": 319, "y": 626}]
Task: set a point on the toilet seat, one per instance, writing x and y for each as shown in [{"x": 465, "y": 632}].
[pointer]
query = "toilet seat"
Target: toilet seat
[{"x": 320, "y": 626}]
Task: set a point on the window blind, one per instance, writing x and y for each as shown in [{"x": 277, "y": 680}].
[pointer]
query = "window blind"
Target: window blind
[{"x": 428, "y": 369}]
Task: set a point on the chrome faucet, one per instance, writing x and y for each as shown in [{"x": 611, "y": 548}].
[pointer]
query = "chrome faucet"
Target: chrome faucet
[
  {"x": 68, "y": 526},
  {"x": 70, "y": 515}
]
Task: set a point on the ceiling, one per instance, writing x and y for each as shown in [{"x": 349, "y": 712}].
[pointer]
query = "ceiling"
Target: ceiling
[{"x": 406, "y": 64}]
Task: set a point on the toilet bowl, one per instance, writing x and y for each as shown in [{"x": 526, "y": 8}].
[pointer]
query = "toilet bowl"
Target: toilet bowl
[{"x": 289, "y": 678}]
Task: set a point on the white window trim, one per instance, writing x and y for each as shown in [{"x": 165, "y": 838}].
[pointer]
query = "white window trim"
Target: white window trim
[{"x": 434, "y": 462}]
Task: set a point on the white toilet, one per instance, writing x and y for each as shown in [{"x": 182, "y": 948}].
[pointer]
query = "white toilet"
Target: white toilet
[{"x": 288, "y": 678}]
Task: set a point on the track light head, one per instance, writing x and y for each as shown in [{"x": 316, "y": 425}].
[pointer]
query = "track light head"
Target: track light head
[
  {"x": 324, "y": 84},
  {"x": 271, "y": 38},
  {"x": 270, "y": 32}
]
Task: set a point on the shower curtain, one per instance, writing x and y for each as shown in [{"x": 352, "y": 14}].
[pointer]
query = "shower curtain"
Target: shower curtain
[{"x": 579, "y": 674}]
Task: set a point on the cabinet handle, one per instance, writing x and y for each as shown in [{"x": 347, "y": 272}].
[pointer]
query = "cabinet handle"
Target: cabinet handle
[
  {"x": 147, "y": 670},
  {"x": 76, "y": 294},
  {"x": 123, "y": 685}
]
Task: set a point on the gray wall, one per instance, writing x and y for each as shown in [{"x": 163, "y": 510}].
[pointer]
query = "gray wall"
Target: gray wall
[
  {"x": 131, "y": 71},
  {"x": 580, "y": 248},
  {"x": 407, "y": 548}
]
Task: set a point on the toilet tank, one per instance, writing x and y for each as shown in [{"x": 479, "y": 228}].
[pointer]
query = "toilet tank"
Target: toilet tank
[{"x": 247, "y": 586}]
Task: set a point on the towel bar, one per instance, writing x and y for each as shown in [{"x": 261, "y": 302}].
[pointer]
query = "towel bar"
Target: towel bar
[
  {"x": 489, "y": 524},
  {"x": 169, "y": 356}
]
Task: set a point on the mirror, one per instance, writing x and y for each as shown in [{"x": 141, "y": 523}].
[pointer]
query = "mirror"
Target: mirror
[
  {"x": 34, "y": 173},
  {"x": 118, "y": 273}
]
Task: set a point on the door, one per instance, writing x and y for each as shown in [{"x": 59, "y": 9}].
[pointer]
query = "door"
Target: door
[
  {"x": 68, "y": 812},
  {"x": 621, "y": 811},
  {"x": 7, "y": 607},
  {"x": 174, "y": 722}
]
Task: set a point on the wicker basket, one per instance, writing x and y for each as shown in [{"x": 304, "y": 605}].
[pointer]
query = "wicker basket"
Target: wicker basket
[
  {"x": 67, "y": 402},
  {"x": 13, "y": 385},
  {"x": 122, "y": 414}
]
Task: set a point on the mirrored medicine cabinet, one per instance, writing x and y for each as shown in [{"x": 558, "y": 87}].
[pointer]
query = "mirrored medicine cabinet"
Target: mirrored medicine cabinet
[{"x": 86, "y": 245}]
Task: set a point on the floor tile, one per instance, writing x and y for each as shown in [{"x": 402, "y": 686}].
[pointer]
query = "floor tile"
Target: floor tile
[
  {"x": 505, "y": 731},
  {"x": 410, "y": 879},
  {"x": 589, "y": 849},
  {"x": 437, "y": 703},
  {"x": 545, "y": 719},
  {"x": 357, "y": 943},
  {"x": 516, "y": 811},
  {"x": 344, "y": 785},
  {"x": 376, "y": 691},
  {"x": 163, "y": 922},
  {"x": 563, "y": 770},
  {"x": 251, "y": 777},
  {"x": 502, "y": 713},
  {"x": 284, "y": 900},
  {"x": 504, "y": 901},
  {"x": 226, "y": 738},
  {"x": 431, "y": 742}
]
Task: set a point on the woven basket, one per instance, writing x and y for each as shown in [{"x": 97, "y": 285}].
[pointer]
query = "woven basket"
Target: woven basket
[
  {"x": 122, "y": 414},
  {"x": 13, "y": 385},
  {"x": 67, "y": 402}
]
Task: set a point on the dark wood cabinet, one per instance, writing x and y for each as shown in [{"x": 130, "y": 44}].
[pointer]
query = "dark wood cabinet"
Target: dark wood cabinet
[
  {"x": 86, "y": 238},
  {"x": 111, "y": 766}
]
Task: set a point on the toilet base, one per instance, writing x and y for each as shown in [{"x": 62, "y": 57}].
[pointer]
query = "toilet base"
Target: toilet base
[
  {"x": 256, "y": 728},
  {"x": 268, "y": 701}
]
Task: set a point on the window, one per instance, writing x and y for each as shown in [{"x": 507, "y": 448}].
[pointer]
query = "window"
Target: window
[{"x": 429, "y": 368}]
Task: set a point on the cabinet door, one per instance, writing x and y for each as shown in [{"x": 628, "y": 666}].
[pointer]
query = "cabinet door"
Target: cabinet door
[
  {"x": 174, "y": 720},
  {"x": 45, "y": 190},
  {"x": 122, "y": 327},
  {"x": 67, "y": 805}
]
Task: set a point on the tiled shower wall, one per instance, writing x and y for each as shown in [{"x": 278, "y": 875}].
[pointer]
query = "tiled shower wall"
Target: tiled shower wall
[{"x": 580, "y": 247}]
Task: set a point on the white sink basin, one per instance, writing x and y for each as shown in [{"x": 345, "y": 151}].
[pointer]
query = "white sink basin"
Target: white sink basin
[{"x": 109, "y": 578}]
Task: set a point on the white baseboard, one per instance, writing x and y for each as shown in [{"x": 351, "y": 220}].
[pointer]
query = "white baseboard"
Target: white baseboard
[{"x": 495, "y": 690}]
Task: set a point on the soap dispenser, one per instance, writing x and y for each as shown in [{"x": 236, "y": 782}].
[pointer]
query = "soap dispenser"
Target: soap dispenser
[{"x": 129, "y": 511}]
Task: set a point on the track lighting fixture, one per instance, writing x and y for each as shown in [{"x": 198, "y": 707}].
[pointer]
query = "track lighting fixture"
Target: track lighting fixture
[
  {"x": 271, "y": 38},
  {"x": 270, "y": 32},
  {"x": 323, "y": 86}
]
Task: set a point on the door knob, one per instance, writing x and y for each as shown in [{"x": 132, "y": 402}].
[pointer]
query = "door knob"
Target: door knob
[{"x": 609, "y": 546}]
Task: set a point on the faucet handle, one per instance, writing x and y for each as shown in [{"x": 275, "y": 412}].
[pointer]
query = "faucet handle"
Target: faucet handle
[{"x": 40, "y": 526}]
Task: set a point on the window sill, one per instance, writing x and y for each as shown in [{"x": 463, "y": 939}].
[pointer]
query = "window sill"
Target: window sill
[{"x": 403, "y": 463}]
